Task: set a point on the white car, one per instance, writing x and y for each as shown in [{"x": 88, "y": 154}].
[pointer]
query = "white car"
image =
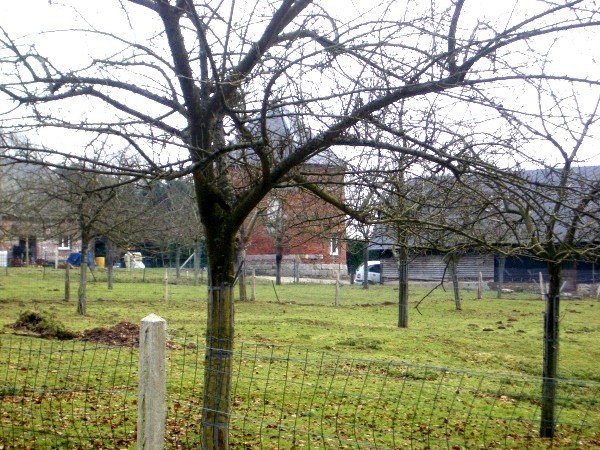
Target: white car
[{"x": 374, "y": 272}]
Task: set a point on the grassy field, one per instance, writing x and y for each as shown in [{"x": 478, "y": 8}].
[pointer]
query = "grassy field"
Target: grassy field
[
  {"x": 499, "y": 337},
  {"x": 502, "y": 335}
]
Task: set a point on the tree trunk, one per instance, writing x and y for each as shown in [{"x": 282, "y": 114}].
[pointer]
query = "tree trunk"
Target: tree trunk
[
  {"x": 110, "y": 276},
  {"x": 551, "y": 341},
  {"x": 110, "y": 262},
  {"x": 402, "y": 289},
  {"x": 337, "y": 289},
  {"x": 197, "y": 262},
  {"x": 278, "y": 259},
  {"x": 83, "y": 268},
  {"x": 92, "y": 250},
  {"x": 453, "y": 266},
  {"x": 68, "y": 283},
  {"x": 365, "y": 265},
  {"x": 240, "y": 267},
  {"x": 296, "y": 269},
  {"x": 201, "y": 270},
  {"x": 177, "y": 261},
  {"x": 501, "y": 266},
  {"x": 27, "y": 255},
  {"x": 219, "y": 341}
]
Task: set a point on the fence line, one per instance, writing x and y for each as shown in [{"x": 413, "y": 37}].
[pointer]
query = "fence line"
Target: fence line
[{"x": 72, "y": 394}]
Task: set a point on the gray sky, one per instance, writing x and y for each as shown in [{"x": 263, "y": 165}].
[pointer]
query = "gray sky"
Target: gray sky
[{"x": 577, "y": 55}]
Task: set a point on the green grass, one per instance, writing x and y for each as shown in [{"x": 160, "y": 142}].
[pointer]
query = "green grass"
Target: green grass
[
  {"x": 307, "y": 365},
  {"x": 496, "y": 335}
]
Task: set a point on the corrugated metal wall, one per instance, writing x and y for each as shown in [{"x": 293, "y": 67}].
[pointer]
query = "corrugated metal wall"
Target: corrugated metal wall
[{"x": 433, "y": 267}]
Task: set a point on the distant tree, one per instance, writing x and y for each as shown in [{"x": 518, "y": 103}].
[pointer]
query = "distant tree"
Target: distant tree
[
  {"x": 23, "y": 206},
  {"x": 353, "y": 255},
  {"x": 175, "y": 219},
  {"x": 83, "y": 199},
  {"x": 88, "y": 203}
]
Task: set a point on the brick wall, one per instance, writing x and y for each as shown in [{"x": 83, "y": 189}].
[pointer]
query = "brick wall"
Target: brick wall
[
  {"x": 303, "y": 223},
  {"x": 306, "y": 266}
]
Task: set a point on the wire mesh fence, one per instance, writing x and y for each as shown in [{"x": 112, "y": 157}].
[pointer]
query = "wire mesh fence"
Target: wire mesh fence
[
  {"x": 74, "y": 394},
  {"x": 183, "y": 276}
]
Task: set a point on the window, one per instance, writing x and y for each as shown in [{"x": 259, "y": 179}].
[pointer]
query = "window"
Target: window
[
  {"x": 64, "y": 243},
  {"x": 375, "y": 268},
  {"x": 335, "y": 246}
]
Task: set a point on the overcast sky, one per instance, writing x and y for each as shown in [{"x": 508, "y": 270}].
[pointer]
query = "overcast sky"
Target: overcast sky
[{"x": 575, "y": 56}]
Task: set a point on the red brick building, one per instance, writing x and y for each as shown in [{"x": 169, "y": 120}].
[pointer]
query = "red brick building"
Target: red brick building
[{"x": 309, "y": 232}]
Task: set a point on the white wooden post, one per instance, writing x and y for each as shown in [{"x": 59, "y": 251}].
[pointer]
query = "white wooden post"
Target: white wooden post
[
  {"x": 252, "y": 286},
  {"x": 152, "y": 383}
]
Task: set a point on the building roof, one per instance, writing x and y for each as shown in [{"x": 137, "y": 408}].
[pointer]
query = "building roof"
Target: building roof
[
  {"x": 284, "y": 135},
  {"x": 539, "y": 191}
]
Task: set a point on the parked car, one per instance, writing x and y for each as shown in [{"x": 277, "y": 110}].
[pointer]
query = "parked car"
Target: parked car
[{"x": 374, "y": 272}]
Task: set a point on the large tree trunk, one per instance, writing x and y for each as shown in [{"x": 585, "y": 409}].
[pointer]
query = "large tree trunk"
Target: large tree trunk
[
  {"x": 219, "y": 340},
  {"x": 551, "y": 341}
]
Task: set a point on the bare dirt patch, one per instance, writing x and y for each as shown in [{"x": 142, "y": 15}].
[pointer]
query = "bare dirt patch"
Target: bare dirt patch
[
  {"x": 34, "y": 323},
  {"x": 38, "y": 324},
  {"x": 121, "y": 334}
]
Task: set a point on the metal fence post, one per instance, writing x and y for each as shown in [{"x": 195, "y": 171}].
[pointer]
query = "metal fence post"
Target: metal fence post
[{"x": 152, "y": 383}]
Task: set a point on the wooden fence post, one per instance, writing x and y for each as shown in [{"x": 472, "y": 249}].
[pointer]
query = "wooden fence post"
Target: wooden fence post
[
  {"x": 152, "y": 384},
  {"x": 253, "y": 286}
]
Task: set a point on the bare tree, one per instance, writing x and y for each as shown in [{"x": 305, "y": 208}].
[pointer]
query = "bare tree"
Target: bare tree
[
  {"x": 176, "y": 220},
  {"x": 548, "y": 211},
  {"x": 181, "y": 95},
  {"x": 555, "y": 210},
  {"x": 24, "y": 206},
  {"x": 85, "y": 200}
]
